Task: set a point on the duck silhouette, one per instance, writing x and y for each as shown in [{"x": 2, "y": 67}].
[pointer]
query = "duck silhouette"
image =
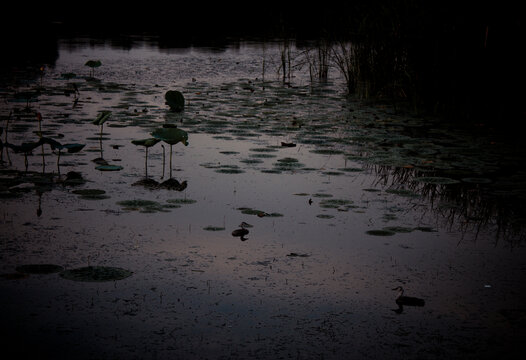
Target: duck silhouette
[
  {"x": 242, "y": 231},
  {"x": 403, "y": 300}
]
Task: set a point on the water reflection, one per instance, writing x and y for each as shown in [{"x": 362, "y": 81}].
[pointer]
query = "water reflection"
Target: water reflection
[
  {"x": 468, "y": 205},
  {"x": 316, "y": 255}
]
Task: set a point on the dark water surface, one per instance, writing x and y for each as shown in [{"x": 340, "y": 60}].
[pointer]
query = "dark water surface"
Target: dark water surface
[{"x": 366, "y": 200}]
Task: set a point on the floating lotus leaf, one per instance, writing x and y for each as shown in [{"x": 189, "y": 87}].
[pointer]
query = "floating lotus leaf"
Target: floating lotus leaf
[
  {"x": 181, "y": 201},
  {"x": 398, "y": 229},
  {"x": 229, "y": 170},
  {"x": 109, "y": 167},
  {"x": 89, "y": 192},
  {"x": 213, "y": 228},
  {"x": 170, "y": 135},
  {"x": 175, "y": 100},
  {"x": 380, "y": 232},
  {"x": 96, "y": 274},
  {"x": 102, "y": 117},
  {"x": 39, "y": 269}
]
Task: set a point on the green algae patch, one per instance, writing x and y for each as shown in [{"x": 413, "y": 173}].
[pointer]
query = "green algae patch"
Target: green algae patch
[{"x": 96, "y": 274}]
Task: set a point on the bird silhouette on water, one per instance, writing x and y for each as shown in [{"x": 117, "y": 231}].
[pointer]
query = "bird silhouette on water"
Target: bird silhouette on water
[{"x": 403, "y": 300}]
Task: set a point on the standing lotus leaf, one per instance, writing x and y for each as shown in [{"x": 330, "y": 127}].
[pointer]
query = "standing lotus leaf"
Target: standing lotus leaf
[
  {"x": 175, "y": 100},
  {"x": 146, "y": 143},
  {"x": 171, "y": 135},
  {"x": 93, "y": 64}
]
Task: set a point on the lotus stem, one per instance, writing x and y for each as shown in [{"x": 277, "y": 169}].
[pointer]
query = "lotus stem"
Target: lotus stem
[
  {"x": 170, "y": 161},
  {"x": 58, "y": 162},
  {"x": 146, "y": 162},
  {"x": 5, "y": 139},
  {"x": 164, "y": 156}
]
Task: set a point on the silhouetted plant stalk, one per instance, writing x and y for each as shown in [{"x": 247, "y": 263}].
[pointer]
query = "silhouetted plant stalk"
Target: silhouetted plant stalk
[
  {"x": 285, "y": 61},
  {"x": 318, "y": 58}
]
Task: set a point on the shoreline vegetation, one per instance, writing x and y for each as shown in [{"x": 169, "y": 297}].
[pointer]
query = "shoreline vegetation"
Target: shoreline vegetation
[{"x": 445, "y": 60}]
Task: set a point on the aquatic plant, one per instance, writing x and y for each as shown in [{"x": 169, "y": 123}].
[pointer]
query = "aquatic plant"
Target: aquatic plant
[
  {"x": 171, "y": 136},
  {"x": 147, "y": 143},
  {"x": 93, "y": 64},
  {"x": 175, "y": 100},
  {"x": 28, "y": 96},
  {"x": 101, "y": 118}
]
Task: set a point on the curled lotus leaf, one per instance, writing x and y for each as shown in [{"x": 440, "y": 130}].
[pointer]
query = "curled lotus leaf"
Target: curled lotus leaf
[
  {"x": 175, "y": 100},
  {"x": 73, "y": 148},
  {"x": 102, "y": 117}
]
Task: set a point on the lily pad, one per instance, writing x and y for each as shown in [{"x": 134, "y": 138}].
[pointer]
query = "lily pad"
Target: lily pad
[
  {"x": 382, "y": 232},
  {"x": 214, "y": 228},
  {"x": 147, "y": 206},
  {"x": 89, "y": 192},
  {"x": 39, "y": 269},
  {"x": 96, "y": 274},
  {"x": 181, "y": 201},
  {"x": 398, "y": 229},
  {"x": 109, "y": 168}
]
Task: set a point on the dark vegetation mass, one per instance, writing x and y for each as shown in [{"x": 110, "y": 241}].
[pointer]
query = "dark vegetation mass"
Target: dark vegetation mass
[{"x": 462, "y": 62}]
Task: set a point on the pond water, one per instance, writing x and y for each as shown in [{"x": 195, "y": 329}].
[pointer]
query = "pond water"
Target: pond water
[{"x": 343, "y": 201}]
